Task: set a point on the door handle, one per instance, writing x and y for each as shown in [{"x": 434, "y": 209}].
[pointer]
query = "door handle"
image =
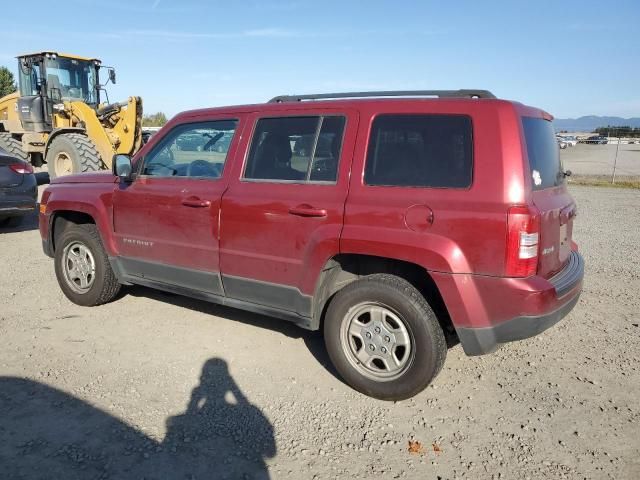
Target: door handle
[
  {"x": 307, "y": 211},
  {"x": 195, "y": 202}
]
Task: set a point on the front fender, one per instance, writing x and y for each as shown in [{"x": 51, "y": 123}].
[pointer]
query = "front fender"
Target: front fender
[{"x": 95, "y": 202}]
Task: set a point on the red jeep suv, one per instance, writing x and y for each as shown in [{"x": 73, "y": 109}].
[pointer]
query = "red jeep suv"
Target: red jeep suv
[{"x": 395, "y": 221}]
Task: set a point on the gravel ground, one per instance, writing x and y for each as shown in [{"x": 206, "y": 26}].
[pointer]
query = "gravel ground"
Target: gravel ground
[{"x": 158, "y": 386}]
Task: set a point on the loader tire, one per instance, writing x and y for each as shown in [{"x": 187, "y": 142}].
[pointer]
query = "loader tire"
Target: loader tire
[
  {"x": 71, "y": 153},
  {"x": 12, "y": 146}
]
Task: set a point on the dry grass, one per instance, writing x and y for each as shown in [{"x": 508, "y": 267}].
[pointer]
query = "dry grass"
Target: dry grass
[{"x": 605, "y": 181}]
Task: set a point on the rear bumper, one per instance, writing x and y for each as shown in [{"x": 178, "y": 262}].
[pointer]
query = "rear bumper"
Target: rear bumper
[
  {"x": 478, "y": 341},
  {"x": 490, "y": 311}
]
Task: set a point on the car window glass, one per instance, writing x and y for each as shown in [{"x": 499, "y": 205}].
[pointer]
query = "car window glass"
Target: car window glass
[
  {"x": 420, "y": 151},
  {"x": 327, "y": 153},
  {"x": 281, "y": 148},
  {"x": 192, "y": 150},
  {"x": 543, "y": 153},
  {"x": 296, "y": 149}
]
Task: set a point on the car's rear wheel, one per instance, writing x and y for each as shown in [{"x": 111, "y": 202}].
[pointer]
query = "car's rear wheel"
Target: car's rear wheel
[
  {"x": 82, "y": 267},
  {"x": 383, "y": 337}
]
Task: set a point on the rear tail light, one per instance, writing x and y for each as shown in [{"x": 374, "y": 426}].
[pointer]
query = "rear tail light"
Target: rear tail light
[
  {"x": 21, "y": 168},
  {"x": 523, "y": 238}
]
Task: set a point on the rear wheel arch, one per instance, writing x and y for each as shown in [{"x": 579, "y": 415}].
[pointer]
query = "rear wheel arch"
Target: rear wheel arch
[{"x": 342, "y": 269}]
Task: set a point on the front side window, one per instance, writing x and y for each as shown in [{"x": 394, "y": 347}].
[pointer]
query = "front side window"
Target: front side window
[
  {"x": 299, "y": 149},
  {"x": 192, "y": 150},
  {"x": 420, "y": 151}
]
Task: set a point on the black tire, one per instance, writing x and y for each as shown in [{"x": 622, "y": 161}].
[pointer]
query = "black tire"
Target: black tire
[
  {"x": 429, "y": 347},
  {"x": 80, "y": 151},
  {"x": 12, "y": 146},
  {"x": 104, "y": 286}
]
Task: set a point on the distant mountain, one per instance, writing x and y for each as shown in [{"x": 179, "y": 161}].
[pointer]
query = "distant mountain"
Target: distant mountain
[{"x": 591, "y": 122}]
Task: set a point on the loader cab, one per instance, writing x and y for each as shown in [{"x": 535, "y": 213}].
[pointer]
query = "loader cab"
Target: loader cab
[{"x": 47, "y": 80}]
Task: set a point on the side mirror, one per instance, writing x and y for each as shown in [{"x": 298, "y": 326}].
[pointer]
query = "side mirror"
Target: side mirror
[
  {"x": 112, "y": 75},
  {"x": 121, "y": 166}
]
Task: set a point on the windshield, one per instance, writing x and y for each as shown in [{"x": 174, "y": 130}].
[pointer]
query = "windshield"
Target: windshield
[{"x": 71, "y": 79}]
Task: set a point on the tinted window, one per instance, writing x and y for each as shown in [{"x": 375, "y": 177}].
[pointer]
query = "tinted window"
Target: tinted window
[
  {"x": 543, "y": 153},
  {"x": 192, "y": 150},
  {"x": 327, "y": 153},
  {"x": 295, "y": 149},
  {"x": 420, "y": 151}
]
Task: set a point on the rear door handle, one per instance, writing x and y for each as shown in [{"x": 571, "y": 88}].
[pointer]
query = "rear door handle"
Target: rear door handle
[
  {"x": 307, "y": 211},
  {"x": 195, "y": 202}
]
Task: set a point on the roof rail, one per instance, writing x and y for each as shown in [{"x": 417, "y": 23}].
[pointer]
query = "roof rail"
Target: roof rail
[{"x": 390, "y": 93}]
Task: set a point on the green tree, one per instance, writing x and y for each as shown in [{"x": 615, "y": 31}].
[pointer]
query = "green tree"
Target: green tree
[
  {"x": 154, "y": 120},
  {"x": 7, "y": 82}
]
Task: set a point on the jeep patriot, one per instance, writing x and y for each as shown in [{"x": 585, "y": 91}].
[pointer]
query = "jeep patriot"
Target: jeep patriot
[{"x": 396, "y": 222}]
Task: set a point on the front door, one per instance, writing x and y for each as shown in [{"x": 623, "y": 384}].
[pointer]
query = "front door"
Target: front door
[
  {"x": 282, "y": 215},
  {"x": 166, "y": 221}
]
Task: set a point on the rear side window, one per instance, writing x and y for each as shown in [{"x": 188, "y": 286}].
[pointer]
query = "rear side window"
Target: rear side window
[
  {"x": 420, "y": 151},
  {"x": 299, "y": 149},
  {"x": 543, "y": 153}
]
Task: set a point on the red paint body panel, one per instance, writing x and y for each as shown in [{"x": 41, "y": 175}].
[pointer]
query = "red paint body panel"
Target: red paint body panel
[
  {"x": 159, "y": 220},
  {"x": 478, "y": 301},
  {"x": 467, "y": 223},
  {"x": 150, "y": 211},
  {"x": 93, "y": 198},
  {"x": 249, "y": 231},
  {"x": 89, "y": 177},
  {"x": 261, "y": 239}
]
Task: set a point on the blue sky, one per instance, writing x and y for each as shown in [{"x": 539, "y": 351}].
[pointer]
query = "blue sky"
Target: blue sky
[{"x": 571, "y": 58}]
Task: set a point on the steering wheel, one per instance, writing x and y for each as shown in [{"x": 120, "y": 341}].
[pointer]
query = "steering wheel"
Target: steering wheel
[{"x": 202, "y": 168}]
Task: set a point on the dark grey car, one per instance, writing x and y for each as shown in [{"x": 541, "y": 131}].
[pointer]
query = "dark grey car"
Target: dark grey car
[{"x": 18, "y": 189}]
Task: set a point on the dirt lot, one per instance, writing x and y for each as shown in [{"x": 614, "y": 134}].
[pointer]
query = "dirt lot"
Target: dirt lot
[
  {"x": 590, "y": 160},
  {"x": 156, "y": 386}
]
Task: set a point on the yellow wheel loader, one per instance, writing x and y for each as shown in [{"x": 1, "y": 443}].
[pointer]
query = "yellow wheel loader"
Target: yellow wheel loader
[{"x": 59, "y": 118}]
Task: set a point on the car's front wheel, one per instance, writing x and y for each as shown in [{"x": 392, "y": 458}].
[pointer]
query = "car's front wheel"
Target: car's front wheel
[
  {"x": 383, "y": 337},
  {"x": 82, "y": 267}
]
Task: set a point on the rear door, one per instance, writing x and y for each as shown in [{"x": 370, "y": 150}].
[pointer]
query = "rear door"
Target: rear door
[
  {"x": 550, "y": 195},
  {"x": 283, "y": 212}
]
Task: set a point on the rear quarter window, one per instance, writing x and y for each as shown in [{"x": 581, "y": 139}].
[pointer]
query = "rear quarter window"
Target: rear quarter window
[
  {"x": 543, "y": 153},
  {"x": 420, "y": 151}
]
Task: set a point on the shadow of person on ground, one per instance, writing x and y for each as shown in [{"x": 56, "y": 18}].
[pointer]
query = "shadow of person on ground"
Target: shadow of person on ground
[{"x": 48, "y": 434}]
